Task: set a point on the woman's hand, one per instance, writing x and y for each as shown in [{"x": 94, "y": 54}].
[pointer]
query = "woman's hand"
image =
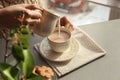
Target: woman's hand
[
  {"x": 64, "y": 21},
  {"x": 9, "y": 16}
]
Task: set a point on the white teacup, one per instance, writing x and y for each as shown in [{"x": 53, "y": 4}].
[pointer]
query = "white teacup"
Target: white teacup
[{"x": 60, "y": 42}]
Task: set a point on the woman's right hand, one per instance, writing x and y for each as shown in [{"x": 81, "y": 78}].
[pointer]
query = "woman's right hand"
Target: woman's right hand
[{"x": 10, "y": 16}]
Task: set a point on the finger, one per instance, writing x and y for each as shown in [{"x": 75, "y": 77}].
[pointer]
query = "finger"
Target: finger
[
  {"x": 32, "y": 7},
  {"x": 68, "y": 26},
  {"x": 64, "y": 21},
  {"x": 35, "y": 14},
  {"x": 31, "y": 21},
  {"x": 67, "y": 23},
  {"x": 71, "y": 28}
]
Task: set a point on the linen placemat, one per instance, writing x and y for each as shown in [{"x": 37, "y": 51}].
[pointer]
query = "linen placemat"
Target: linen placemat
[{"x": 89, "y": 51}]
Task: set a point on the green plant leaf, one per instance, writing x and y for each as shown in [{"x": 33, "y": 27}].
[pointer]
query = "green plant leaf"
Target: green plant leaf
[
  {"x": 13, "y": 31},
  {"x": 35, "y": 77},
  {"x": 28, "y": 63},
  {"x": 24, "y": 40},
  {"x": 9, "y": 72},
  {"x": 24, "y": 30},
  {"x": 17, "y": 52}
]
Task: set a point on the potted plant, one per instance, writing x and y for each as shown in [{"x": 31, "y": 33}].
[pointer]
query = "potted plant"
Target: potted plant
[{"x": 23, "y": 69}]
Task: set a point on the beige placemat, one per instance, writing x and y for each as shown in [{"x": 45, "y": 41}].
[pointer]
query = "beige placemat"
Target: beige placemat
[{"x": 89, "y": 51}]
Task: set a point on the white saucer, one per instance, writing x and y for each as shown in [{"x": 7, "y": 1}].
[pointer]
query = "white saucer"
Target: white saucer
[{"x": 51, "y": 55}]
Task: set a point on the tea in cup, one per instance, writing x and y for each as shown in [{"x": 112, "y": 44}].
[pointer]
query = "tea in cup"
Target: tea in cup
[{"x": 59, "y": 40}]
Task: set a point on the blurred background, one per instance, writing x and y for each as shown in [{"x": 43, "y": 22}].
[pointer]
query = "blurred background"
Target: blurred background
[{"x": 80, "y": 12}]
